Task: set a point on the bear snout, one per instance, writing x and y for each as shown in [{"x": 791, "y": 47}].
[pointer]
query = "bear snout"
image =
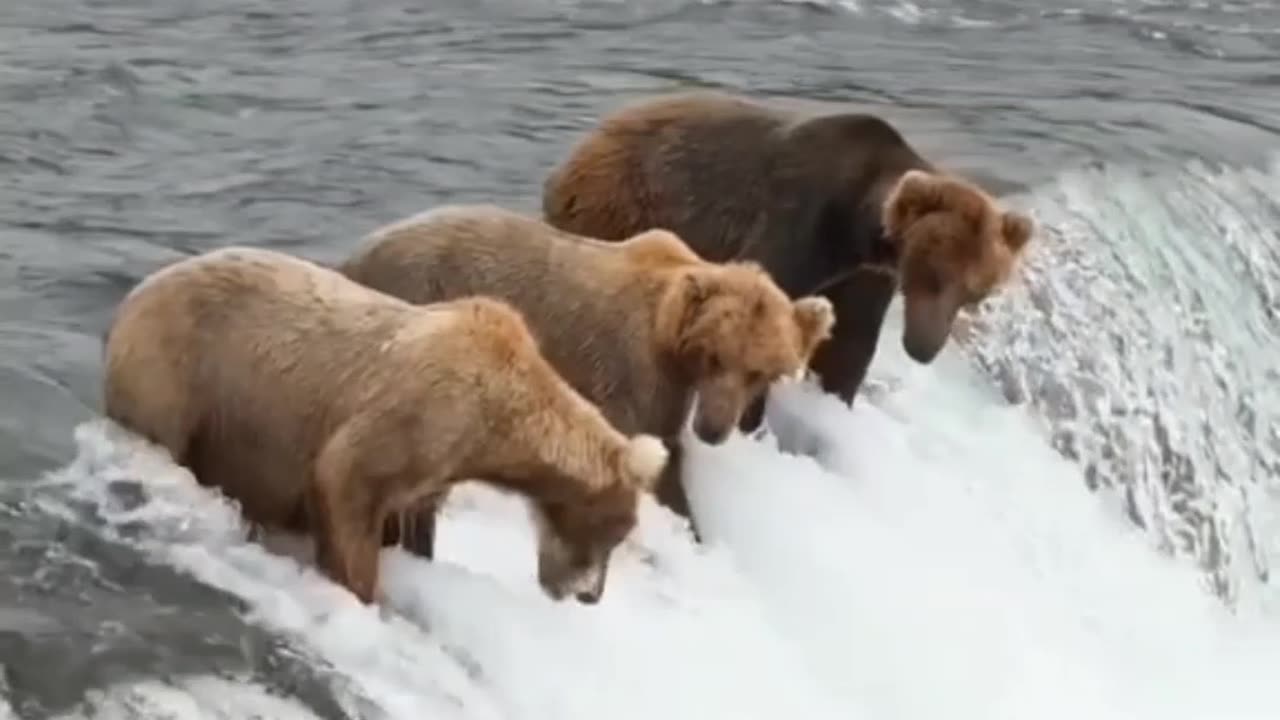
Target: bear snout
[
  {"x": 709, "y": 432},
  {"x": 921, "y": 350},
  {"x": 572, "y": 571},
  {"x": 719, "y": 405},
  {"x": 587, "y": 585},
  {"x": 927, "y": 326}
]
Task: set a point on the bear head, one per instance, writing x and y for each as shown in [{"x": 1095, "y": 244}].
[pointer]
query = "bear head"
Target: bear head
[
  {"x": 955, "y": 247},
  {"x": 734, "y": 332},
  {"x": 578, "y": 531}
]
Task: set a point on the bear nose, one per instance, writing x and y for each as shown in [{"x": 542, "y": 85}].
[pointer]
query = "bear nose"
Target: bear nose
[
  {"x": 922, "y": 351},
  {"x": 588, "y": 597},
  {"x": 709, "y": 433}
]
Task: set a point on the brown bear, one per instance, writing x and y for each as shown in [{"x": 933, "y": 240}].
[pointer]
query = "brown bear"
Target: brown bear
[
  {"x": 323, "y": 406},
  {"x": 838, "y": 205},
  {"x": 638, "y": 327}
]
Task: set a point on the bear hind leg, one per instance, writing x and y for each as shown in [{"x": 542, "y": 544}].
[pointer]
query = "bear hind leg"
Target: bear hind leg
[{"x": 161, "y": 416}]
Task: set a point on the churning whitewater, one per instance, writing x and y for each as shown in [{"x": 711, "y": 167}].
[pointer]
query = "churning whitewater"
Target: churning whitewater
[
  {"x": 1074, "y": 513},
  {"x": 930, "y": 553}
]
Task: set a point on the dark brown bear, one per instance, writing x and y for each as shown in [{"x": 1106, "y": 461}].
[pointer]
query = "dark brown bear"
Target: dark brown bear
[{"x": 837, "y": 205}]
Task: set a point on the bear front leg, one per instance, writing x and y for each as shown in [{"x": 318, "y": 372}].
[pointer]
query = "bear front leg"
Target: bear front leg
[
  {"x": 414, "y": 529},
  {"x": 348, "y": 517},
  {"x": 753, "y": 415},
  {"x": 670, "y": 490},
  {"x": 860, "y": 303}
]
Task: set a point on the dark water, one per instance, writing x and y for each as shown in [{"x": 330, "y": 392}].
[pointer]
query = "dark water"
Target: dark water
[{"x": 137, "y": 131}]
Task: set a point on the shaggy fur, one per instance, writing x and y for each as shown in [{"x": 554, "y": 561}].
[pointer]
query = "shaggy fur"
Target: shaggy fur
[
  {"x": 326, "y": 407},
  {"x": 838, "y": 205},
  {"x": 637, "y": 327}
]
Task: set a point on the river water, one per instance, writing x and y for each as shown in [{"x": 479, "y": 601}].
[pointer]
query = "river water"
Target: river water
[{"x": 1145, "y": 134}]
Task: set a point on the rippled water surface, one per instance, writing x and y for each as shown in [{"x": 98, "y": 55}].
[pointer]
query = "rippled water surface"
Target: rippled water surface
[{"x": 134, "y": 132}]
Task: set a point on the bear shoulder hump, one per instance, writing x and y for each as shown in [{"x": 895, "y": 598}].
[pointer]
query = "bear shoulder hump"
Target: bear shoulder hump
[
  {"x": 658, "y": 247},
  {"x": 863, "y": 130}
]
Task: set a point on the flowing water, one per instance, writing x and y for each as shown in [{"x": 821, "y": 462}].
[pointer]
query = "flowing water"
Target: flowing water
[
  {"x": 1157, "y": 370},
  {"x": 1140, "y": 341}
]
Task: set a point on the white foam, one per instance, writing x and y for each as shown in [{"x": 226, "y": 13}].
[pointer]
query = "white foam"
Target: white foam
[
  {"x": 6, "y": 709},
  {"x": 933, "y": 559},
  {"x": 204, "y": 697},
  {"x": 938, "y": 559},
  {"x": 678, "y": 634}
]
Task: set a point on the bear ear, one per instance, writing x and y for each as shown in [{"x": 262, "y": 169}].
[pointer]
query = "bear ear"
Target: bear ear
[
  {"x": 1016, "y": 229},
  {"x": 696, "y": 288},
  {"x": 646, "y": 459},
  {"x": 916, "y": 194},
  {"x": 815, "y": 316}
]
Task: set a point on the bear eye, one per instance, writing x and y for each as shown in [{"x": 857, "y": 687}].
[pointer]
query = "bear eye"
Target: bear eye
[{"x": 714, "y": 365}]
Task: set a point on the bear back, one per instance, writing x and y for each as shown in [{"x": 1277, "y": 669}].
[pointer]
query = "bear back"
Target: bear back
[{"x": 738, "y": 180}]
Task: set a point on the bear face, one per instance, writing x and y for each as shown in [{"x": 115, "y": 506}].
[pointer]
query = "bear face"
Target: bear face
[
  {"x": 956, "y": 247},
  {"x": 735, "y": 333},
  {"x": 576, "y": 536}
]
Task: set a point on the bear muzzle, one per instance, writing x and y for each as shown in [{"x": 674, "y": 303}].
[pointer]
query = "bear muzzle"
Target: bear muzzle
[
  {"x": 720, "y": 403},
  {"x": 568, "y": 571},
  {"x": 927, "y": 325},
  {"x": 710, "y": 432}
]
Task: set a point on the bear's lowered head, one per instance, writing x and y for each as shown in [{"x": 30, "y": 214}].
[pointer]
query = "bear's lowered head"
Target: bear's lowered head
[
  {"x": 577, "y": 534},
  {"x": 735, "y": 332},
  {"x": 956, "y": 247}
]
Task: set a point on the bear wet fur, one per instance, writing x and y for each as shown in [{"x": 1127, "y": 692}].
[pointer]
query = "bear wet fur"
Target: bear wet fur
[
  {"x": 839, "y": 205},
  {"x": 638, "y": 327},
  {"x": 323, "y": 406}
]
